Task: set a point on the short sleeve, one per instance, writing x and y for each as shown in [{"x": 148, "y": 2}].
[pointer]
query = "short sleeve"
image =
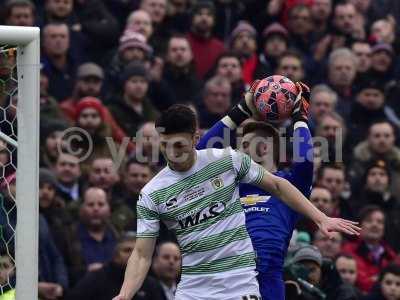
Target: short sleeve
[
  {"x": 148, "y": 220},
  {"x": 247, "y": 171}
]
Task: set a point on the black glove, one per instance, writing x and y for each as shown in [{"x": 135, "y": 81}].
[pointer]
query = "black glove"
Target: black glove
[{"x": 241, "y": 111}]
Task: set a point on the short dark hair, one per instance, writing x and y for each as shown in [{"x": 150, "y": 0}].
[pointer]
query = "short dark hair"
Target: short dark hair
[
  {"x": 368, "y": 210},
  {"x": 292, "y": 53},
  {"x": 178, "y": 118},
  {"x": 392, "y": 269},
  {"x": 345, "y": 255},
  {"x": 324, "y": 166},
  {"x": 266, "y": 131},
  {"x": 133, "y": 161},
  {"x": 162, "y": 243},
  {"x": 228, "y": 54}
]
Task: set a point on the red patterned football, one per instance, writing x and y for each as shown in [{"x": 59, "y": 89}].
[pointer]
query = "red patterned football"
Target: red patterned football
[{"x": 274, "y": 98}]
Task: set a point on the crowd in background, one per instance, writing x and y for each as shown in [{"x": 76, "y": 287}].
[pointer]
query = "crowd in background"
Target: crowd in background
[{"x": 111, "y": 67}]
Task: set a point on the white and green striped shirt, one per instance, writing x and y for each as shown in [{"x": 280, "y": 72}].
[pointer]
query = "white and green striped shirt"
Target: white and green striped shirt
[{"x": 202, "y": 206}]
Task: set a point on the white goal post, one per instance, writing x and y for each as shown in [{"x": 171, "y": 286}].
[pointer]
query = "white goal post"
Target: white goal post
[{"x": 27, "y": 41}]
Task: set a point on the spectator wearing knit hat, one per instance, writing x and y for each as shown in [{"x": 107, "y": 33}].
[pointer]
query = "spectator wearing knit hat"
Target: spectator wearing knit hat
[
  {"x": 274, "y": 43},
  {"x": 50, "y": 139},
  {"x": 244, "y": 43},
  {"x": 134, "y": 107},
  {"x": 206, "y": 48}
]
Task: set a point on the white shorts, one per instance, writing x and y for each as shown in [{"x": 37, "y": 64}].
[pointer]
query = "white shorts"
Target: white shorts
[{"x": 235, "y": 285}]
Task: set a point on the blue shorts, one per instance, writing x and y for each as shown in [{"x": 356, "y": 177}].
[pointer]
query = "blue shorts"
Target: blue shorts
[{"x": 272, "y": 286}]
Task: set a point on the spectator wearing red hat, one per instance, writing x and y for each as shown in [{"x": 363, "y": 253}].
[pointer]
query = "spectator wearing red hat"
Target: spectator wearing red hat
[
  {"x": 274, "y": 43},
  {"x": 370, "y": 251},
  {"x": 206, "y": 48},
  {"x": 244, "y": 43},
  {"x": 90, "y": 117}
]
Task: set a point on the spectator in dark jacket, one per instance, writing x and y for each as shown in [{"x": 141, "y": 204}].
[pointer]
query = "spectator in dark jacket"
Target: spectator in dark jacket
[
  {"x": 179, "y": 71},
  {"x": 106, "y": 282},
  {"x": 134, "y": 107},
  {"x": 53, "y": 276},
  {"x": 370, "y": 251},
  {"x": 19, "y": 13}
]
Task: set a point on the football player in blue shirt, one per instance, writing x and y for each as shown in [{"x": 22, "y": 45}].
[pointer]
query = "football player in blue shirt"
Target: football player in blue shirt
[{"x": 270, "y": 222}]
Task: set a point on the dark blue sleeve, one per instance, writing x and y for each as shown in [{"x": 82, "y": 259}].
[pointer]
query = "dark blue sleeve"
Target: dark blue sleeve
[
  {"x": 219, "y": 136},
  {"x": 302, "y": 166}
]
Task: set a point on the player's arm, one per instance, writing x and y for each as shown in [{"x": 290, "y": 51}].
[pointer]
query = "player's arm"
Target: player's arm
[
  {"x": 284, "y": 190},
  {"x": 226, "y": 127},
  {"x": 138, "y": 265},
  {"x": 302, "y": 166}
]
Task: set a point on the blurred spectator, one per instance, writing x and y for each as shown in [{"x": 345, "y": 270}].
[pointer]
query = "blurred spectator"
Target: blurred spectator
[
  {"x": 8, "y": 213},
  {"x": 290, "y": 65},
  {"x": 52, "y": 208},
  {"x": 93, "y": 239},
  {"x": 382, "y": 63},
  {"x": 370, "y": 251},
  {"x": 329, "y": 247},
  {"x": 140, "y": 21},
  {"x": 342, "y": 69},
  {"x": 58, "y": 64},
  {"x": 243, "y": 41},
  {"x": 49, "y": 108},
  {"x": 166, "y": 266},
  {"x": 316, "y": 278},
  {"x": 323, "y": 100},
  {"x": 179, "y": 71},
  {"x": 68, "y": 171},
  {"x": 228, "y": 66},
  {"x": 178, "y": 15},
  {"x": 321, "y": 197},
  {"x": 228, "y": 14},
  {"x": 103, "y": 174},
  {"x": 347, "y": 268},
  {"x": 108, "y": 279},
  {"x": 376, "y": 190},
  {"x": 384, "y": 31},
  {"x": 344, "y": 18},
  {"x": 379, "y": 145},
  {"x": 51, "y": 132},
  {"x": 332, "y": 177},
  {"x": 331, "y": 133},
  {"x": 206, "y": 48},
  {"x": 53, "y": 276},
  {"x": 300, "y": 25},
  {"x": 19, "y": 13},
  {"x": 274, "y": 43},
  {"x": 59, "y": 11},
  {"x": 134, "y": 107},
  {"x": 216, "y": 101},
  {"x": 7, "y": 274},
  {"x": 148, "y": 148},
  {"x": 388, "y": 287},
  {"x": 363, "y": 52},
  {"x": 321, "y": 11},
  {"x": 157, "y": 10},
  {"x": 368, "y": 108}
]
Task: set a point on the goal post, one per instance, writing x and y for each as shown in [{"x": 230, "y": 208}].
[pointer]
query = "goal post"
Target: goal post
[{"x": 27, "y": 42}]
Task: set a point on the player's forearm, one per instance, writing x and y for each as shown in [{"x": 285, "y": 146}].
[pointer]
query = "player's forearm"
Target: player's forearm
[
  {"x": 135, "y": 273},
  {"x": 284, "y": 190}
]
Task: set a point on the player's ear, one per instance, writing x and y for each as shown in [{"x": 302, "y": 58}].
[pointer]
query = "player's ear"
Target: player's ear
[{"x": 196, "y": 137}]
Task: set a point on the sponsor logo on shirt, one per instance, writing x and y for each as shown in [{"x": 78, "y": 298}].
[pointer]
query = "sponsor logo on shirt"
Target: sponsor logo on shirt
[
  {"x": 254, "y": 199},
  {"x": 202, "y": 216}
]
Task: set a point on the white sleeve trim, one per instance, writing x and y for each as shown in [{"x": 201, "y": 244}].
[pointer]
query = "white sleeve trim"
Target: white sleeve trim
[{"x": 300, "y": 124}]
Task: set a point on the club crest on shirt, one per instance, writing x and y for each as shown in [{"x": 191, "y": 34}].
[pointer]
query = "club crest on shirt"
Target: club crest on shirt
[
  {"x": 217, "y": 183},
  {"x": 254, "y": 199},
  {"x": 171, "y": 203}
]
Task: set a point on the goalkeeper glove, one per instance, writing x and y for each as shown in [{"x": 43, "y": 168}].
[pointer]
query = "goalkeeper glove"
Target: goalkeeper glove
[
  {"x": 301, "y": 104},
  {"x": 245, "y": 108}
]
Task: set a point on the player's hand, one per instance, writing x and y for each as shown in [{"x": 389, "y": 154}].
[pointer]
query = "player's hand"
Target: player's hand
[
  {"x": 120, "y": 297},
  {"x": 329, "y": 225},
  {"x": 302, "y": 103}
]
